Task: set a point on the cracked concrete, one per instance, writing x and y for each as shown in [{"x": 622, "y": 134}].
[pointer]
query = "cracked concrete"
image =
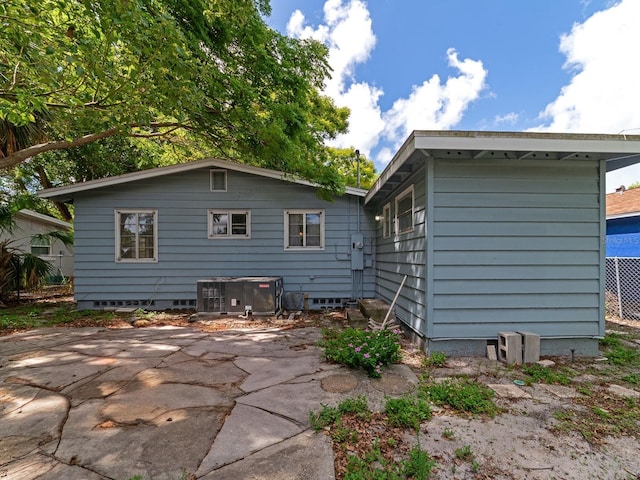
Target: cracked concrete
[{"x": 157, "y": 402}]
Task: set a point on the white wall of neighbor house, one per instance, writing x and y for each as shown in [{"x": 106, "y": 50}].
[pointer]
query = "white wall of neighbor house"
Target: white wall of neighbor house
[{"x": 54, "y": 251}]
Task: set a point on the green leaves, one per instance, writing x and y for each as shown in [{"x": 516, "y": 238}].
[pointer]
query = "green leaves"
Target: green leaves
[{"x": 211, "y": 67}]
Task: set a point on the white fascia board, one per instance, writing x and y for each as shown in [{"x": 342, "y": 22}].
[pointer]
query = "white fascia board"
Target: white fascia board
[
  {"x": 43, "y": 218},
  {"x": 623, "y": 215},
  {"x": 604, "y": 146},
  {"x": 183, "y": 167}
]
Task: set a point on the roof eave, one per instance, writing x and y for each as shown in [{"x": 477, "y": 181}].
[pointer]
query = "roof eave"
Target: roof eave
[{"x": 65, "y": 193}]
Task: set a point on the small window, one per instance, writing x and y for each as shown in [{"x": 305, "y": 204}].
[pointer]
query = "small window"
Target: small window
[
  {"x": 218, "y": 180},
  {"x": 303, "y": 230},
  {"x": 404, "y": 211},
  {"x": 40, "y": 245},
  {"x": 229, "y": 223},
  {"x": 136, "y": 235},
  {"x": 386, "y": 221}
]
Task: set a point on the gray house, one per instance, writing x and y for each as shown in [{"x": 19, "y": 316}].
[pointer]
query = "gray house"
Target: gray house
[
  {"x": 146, "y": 239},
  {"x": 494, "y": 232},
  {"x": 497, "y": 232}
]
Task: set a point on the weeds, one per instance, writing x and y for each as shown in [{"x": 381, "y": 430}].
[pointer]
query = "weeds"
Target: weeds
[
  {"x": 621, "y": 355},
  {"x": 448, "y": 434},
  {"x": 540, "y": 374},
  {"x": 48, "y": 315},
  {"x": 461, "y": 394},
  {"x": 465, "y": 453},
  {"x": 407, "y": 412},
  {"x": 435, "y": 359}
]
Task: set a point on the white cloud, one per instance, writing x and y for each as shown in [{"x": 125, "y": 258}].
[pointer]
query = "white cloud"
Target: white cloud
[
  {"x": 436, "y": 105},
  {"x": 509, "y": 119},
  {"x": 603, "y": 95},
  {"x": 430, "y": 105}
]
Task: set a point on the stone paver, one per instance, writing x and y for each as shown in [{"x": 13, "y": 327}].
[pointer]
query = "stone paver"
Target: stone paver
[
  {"x": 101, "y": 404},
  {"x": 508, "y": 391}
]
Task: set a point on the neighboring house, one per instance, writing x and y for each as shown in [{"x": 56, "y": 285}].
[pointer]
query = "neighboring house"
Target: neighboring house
[
  {"x": 494, "y": 231},
  {"x": 28, "y": 224},
  {"x": 623, "y": 223}
]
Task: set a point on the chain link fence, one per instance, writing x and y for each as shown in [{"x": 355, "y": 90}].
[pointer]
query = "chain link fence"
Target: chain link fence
[{"x": 622, "y": 295}]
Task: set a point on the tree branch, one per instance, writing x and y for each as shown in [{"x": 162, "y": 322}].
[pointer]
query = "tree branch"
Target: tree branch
[{"x": 21, "y": 155}]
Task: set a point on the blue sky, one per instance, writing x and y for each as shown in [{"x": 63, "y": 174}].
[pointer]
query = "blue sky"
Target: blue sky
[{"x": 516, "y": 65}]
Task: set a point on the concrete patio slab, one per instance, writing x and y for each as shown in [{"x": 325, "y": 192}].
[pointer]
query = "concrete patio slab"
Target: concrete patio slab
[
  {"x": 245, "y": 431},
  {"x": 306, "y": 456}
]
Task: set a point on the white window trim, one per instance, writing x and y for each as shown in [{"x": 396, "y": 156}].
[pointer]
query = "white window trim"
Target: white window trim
[
  {"x": 386, "y": 221},
  {"x": 152, "y": 211},
  {"x": 286, "y": 230},
  {"x": 404, "y": 194},
  {"x": 211, "y": 173},
  {"x": 213, "y": 236}
]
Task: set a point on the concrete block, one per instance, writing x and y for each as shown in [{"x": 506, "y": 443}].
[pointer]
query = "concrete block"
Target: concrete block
[
  {"x": 530, "y": 347},
  {"x": 510, "y": 347},
  {"x": 491, "y": 352}
]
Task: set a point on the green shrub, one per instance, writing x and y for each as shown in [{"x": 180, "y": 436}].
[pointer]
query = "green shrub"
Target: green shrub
[{"x": 366, "y": 349}]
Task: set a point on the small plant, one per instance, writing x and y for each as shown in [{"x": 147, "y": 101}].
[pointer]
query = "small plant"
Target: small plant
[
  {"x": 435, "y": 359},
  {"x": 538, "y": 373},
  {"x": 632, "y": 378},
  {"x": 475, "y": 466},
  {"x": 610, "y": 340},
  {"x": 325, "y": 417},
  {"x": 342, "y": 435},
  {"x": 407, "y": 411},
  {"x": 419, "y": 464},
  {"x": 621, "y": 355},
  {"x": 357, "y": 405},
  {"x": 462, "y": 394},
  {"x": 367, "y": 349},
  {"x": 448, "y": 434},
  {"x": 465, "y": 453},
  {"x": 332, "y": 415}
]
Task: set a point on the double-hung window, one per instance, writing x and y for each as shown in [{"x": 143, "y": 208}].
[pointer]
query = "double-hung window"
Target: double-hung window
[
  {"x": 229, "y": 223},
  {"x": 304, "y": 229},
  {"x": 136, "y": 235},
  {"x": 404, "y": 211}
]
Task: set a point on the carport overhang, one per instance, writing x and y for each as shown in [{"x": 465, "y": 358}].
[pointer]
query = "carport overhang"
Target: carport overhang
[{"x": 617, "y": 151}]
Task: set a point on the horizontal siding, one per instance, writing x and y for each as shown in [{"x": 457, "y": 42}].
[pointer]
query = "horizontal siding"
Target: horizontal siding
[
  {"x": 404, "y": 254},
  {"x": 186, "y": 254},
  {"x": 516, "y": 247}
]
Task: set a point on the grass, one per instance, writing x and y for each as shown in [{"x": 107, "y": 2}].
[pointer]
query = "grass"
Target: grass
[
  {"x": 408, "y": 411},
  {"x": 462, "y": 394},
  {"x": 435, "y": 359},
  {"x": 535, "y": 373},
  {"x": 373, "y": 458},
  {"x": 42, "y": 315},
  {"x": 600, "y": 416}
]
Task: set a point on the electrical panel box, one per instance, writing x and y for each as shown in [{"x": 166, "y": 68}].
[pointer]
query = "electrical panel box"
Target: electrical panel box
[
  {"x": 357, "y": 251},
  {"x": 255, "y": 295}
]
